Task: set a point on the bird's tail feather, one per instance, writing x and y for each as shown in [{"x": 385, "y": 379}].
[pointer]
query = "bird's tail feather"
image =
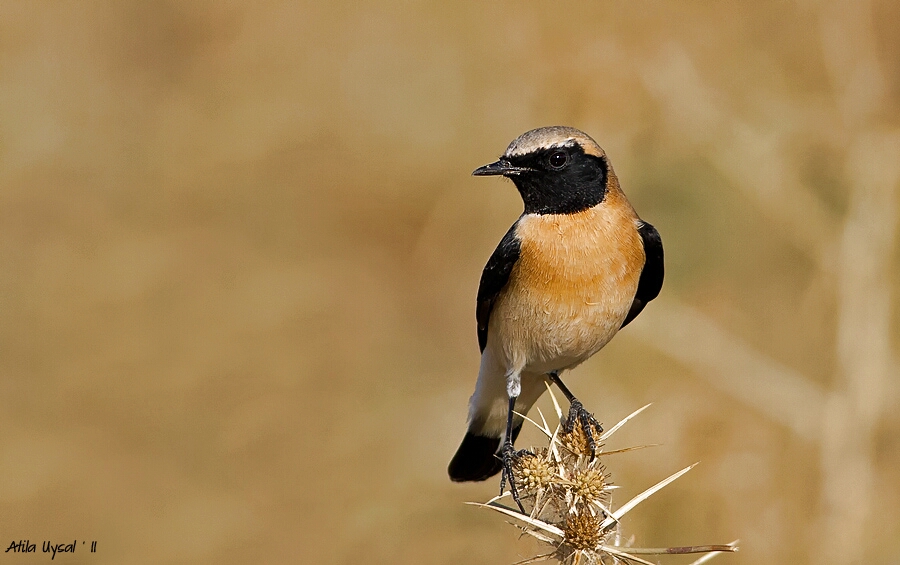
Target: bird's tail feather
[{"x": 478, "y": 457}]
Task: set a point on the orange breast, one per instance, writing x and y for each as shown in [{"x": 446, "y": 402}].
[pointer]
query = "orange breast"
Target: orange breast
[{"x": 572, "y": 287}]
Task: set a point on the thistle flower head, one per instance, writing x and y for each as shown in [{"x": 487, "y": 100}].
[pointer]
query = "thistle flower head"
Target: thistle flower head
[
  {"x": 590, "y": 485},
  {"x": 576, "y": 440},
  {"x": 535, "y": 472},
  {"x": 582, "y": 532}
]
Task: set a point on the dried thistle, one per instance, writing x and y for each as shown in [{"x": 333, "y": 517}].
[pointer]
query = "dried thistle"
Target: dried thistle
[
  {"x": 582, "y": 532},
  {"x": 567, "y": 496},
  {"x": 576, "y": 441},
  {"x": 535, "y": 472},
  {"x": 590, "y": 485}
]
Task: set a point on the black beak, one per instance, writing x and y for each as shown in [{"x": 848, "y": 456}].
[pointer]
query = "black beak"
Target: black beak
[{"x": 501, "y": 167}]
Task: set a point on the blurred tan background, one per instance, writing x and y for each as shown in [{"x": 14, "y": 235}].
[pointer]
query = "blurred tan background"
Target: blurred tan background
[{"x": 239, "y": 250}]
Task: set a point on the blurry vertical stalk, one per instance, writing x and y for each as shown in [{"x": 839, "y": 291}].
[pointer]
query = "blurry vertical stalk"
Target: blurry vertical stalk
[
  {"x": 855, "y": 251},
  {"x": 855, "y": 404}
]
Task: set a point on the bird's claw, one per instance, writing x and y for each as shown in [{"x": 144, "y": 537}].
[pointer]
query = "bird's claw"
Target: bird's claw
[
  {"x": 509, "y": 457},
  {"x": 587, "y": 423}
]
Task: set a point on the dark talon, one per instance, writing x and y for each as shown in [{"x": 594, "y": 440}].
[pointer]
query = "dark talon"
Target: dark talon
[
  {"x": 577, "y": 413},
  {"x": 586, "y": 421},
  {"x": 510, "y": 455}
]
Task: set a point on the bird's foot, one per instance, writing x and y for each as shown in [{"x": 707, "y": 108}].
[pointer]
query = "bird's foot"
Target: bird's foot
[
  {"x": 586, "y": 423},
  {"x": 510, "y": 456}
]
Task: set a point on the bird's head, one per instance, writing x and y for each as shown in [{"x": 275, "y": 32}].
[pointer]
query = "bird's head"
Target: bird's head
[{"x": 558, "y": 170}]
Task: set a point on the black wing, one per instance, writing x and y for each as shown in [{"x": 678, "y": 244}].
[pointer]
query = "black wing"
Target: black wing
[
  {"x": 651, "y": 279},
  {"x": 493, "y": 279}
]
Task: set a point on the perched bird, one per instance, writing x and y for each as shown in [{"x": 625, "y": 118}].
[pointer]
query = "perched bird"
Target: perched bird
[{"x": 576, "y": 267}]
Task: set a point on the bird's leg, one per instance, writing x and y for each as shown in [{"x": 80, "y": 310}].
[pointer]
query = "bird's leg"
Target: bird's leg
[
  {"x": 509, "y": 455},
  {"x": 577, "y": 413}
]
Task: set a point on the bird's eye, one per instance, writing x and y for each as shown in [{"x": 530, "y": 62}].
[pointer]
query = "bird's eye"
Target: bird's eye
[{"x": 558, "y": 159}]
